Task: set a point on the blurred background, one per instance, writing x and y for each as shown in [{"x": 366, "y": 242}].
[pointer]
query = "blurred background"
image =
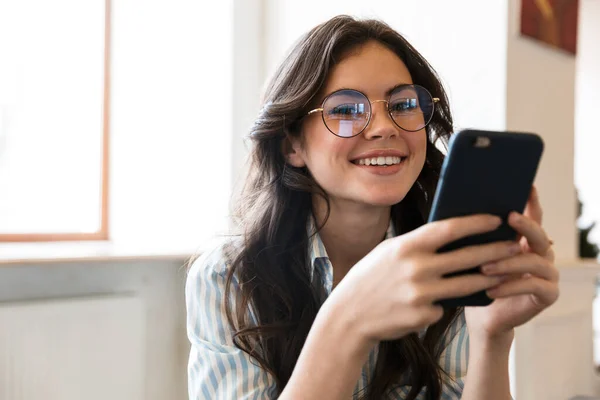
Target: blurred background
[{"x": 122, "y": 126}]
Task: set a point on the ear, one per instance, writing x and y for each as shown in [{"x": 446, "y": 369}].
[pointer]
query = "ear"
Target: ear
[{"x": 292, "y": 151}]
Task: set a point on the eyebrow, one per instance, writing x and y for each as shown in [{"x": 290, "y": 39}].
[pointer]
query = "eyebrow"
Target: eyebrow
[{"x": 387, "y": 93}]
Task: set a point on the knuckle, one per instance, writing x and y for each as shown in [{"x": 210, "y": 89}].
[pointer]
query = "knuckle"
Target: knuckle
[
  {"x": 446, "y": 229},
  {"x": 413, "y": 295},
  {"x": 411, "y": 269},
  {"x": 399, "y": 246},
  {"x": 402, "y": 247}
]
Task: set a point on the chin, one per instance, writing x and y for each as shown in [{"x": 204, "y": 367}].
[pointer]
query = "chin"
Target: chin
[{"x": 384, "y": 199}]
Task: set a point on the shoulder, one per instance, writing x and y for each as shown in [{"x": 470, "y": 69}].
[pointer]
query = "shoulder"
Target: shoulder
[
  {"x": 215, "y": 257},
  {"x": 206, "y": 287},
  {"x": 207, "y": 271}
]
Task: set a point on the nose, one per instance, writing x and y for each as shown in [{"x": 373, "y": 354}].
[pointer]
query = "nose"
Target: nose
[{"x": 381, "y": 125}]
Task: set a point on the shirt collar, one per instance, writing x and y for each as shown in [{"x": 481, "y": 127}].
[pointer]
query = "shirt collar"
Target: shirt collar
[{"x": 317, "y": 249}]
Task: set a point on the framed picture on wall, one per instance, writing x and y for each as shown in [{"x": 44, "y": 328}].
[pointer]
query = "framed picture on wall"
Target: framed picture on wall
[{"x": 553, "y": 22}]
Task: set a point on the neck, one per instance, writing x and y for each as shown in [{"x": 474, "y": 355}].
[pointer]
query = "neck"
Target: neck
[{"x": 351, "y": 231}]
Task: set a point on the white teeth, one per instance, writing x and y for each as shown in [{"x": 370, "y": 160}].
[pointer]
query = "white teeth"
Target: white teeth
[{"x": 379, "y": 161}]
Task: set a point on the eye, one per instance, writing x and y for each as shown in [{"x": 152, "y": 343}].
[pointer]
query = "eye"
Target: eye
[
  {"x": 347, "y": 110},
  {"x": 404, "y": 106}
]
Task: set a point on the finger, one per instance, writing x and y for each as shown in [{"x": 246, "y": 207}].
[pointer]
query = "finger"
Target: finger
[
  {"x": 550, "y": 255},
  {"x": 533, "y": 209},
  {"x": 530, "y": 263},
  {"x": 436, "y": 234},
  {"x": 462, "y": 285},
  {"x": 472, "y": 256},
  {"x": 545, "y": 292},
  {"x": 537, "y": 239}
]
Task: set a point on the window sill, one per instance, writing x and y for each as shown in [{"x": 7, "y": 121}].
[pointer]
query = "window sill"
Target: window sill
[{"x": 58, "y": 252}]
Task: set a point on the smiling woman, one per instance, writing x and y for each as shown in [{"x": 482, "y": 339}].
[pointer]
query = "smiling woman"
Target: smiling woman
[{"x": 54, "y": 83}]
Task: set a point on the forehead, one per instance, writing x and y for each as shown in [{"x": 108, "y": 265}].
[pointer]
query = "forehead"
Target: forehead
[{"x": 371, "y": 68}]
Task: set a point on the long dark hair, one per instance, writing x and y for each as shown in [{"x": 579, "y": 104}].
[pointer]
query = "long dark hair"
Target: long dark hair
[{"x": 272, "y": 265}]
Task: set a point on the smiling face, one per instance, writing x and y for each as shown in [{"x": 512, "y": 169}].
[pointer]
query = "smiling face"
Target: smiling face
[{"x": 344, "y": 166}]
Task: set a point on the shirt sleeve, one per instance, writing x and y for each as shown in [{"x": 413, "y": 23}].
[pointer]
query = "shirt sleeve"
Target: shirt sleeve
[
  {"x": 454, "y": 359},
  {"x": 217, "y": 370}
]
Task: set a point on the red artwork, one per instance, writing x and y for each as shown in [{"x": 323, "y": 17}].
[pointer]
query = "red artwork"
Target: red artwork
[{"x": 551, "y": 21}]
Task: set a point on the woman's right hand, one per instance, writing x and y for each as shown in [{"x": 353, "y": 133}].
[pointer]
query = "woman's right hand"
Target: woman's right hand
[{"x": 391, "y": 291}]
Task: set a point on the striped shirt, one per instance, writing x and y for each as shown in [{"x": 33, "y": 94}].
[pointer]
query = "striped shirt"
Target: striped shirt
[{"x": 217, "y": 370}]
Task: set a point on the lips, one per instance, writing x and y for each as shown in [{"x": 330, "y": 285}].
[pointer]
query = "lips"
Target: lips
[
  {"x": 379, "y": 161},
  {"x": 379, "y": 157}
]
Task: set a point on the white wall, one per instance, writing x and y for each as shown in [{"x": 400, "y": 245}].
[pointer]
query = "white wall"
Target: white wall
[
  {"x": 540, "y": 99},
  {"x": 248, "y": 77},
  {"x": 160, "y": 285},
  {"x": 170, "y": 120},
  {"x": 553, "y": 354},
  {"x": 587, "y": 99}
]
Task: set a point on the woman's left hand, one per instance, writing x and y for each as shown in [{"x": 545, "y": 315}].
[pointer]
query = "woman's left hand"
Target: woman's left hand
[{"x": 532, "y": 279}]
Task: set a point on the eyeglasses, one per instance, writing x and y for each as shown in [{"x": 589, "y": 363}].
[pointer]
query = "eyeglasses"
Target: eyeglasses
[{"x": 347, "y": 112}]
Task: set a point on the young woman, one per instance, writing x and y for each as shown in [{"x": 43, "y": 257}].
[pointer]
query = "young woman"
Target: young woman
[{"x": 329, "y": 290}]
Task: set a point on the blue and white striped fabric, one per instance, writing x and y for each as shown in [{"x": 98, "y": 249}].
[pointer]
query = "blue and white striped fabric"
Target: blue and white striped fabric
[{"x": 217, "y": 370}]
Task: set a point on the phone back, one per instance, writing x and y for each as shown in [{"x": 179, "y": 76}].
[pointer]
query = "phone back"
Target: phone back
[{"x": 490, "y": 173}]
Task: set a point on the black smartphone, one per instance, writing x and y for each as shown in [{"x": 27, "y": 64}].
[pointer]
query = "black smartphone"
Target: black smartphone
[{"x": 485, "y": 172}]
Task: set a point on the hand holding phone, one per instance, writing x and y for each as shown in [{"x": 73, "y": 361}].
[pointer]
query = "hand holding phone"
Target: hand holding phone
[{"x": 485, "y": 172}]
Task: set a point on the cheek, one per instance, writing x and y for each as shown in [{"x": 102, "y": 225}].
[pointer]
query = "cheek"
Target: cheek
[
  {"x": 418, "y": 144},
  {"x": 326, "y": 157},
  {"x": 322, "y": 148}
]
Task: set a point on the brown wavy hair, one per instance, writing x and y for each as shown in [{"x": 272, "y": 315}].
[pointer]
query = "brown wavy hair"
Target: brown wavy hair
[{"x": 273, "y": 208}]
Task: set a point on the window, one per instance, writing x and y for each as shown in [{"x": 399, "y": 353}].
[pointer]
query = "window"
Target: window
[{"x": 54, "y": 85}]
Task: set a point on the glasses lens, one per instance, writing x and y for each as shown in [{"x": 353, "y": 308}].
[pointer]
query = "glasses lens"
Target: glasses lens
[
  {"x": 346, "y": 113},
  {"x": 411, "y": 107}
]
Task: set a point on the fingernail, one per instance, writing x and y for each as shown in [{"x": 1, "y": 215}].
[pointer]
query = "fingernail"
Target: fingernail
[
  {"x": 518, "y": 217},
  {"x": 515, "y": 248},
  {"x": 487, "y": 268}
]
